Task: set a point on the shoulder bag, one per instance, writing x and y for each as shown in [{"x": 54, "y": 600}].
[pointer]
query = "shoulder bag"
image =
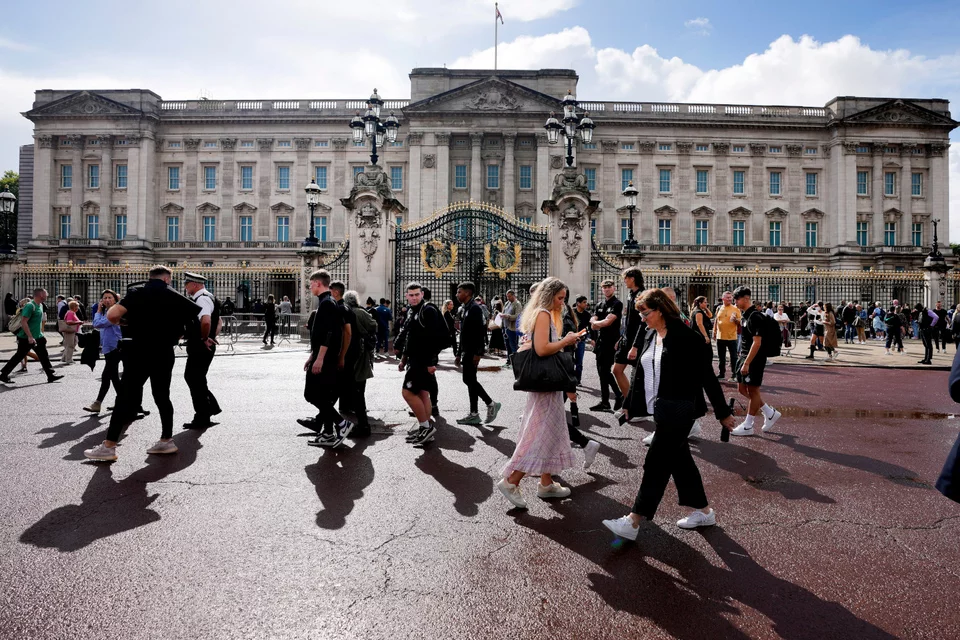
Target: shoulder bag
[{"x": 533, "y": 372}]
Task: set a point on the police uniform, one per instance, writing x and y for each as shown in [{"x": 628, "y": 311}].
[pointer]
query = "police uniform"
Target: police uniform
[
  {"x": 606, "y": 349},
  {"x": 156, "y": 316},
  {"x": 199, "y": 357}
]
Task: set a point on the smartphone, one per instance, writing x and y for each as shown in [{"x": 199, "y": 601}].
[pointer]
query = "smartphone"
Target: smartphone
[
  {"x": 724, "y": 434},
  {"x": 582, "y": 335}
]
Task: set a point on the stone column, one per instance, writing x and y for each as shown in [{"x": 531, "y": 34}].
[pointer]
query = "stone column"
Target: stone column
[
  {"x": 876, "y": 192},
  {"x": 939, "y": 181},
  {"x": 543, "y": 173},
  {"x": 137, "y": 185},
  {"x": 757, "y": 235},
  {"x": 342, "y": 181},
  {"x": 415, "y": 176},
  {"x": 265, "y": 229},
  {"x": 43, "y": 188},
  {"x": 644, "y": 221},
  {"x": 476, "y": 168},
  {"x": 684, "y": 187},
  {"x": 509, "y": 174},
  {"x": 230, "y": 229},
  {"x": 78, "y": 226},
  {"x": 720, "y": 233},
  {"x": 442, "y": 198},
  {"x": 189, "y": 183},
  {"x": 569, "y": 211},
  {"x": 608, "y": 227},
  {"x": 794, "y": 233},
  {"x": 300, "y": 224},
  {"x": 906, "y": 195},
  {"x": 108, "y": 227}
]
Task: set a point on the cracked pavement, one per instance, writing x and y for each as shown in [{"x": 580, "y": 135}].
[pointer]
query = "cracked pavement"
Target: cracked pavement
[{"x": 828, "y": 527}]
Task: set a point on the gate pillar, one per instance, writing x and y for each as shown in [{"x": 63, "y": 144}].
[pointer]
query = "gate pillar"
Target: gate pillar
[
  {"x": 8, "y": 268},
  {"x": 372, "y": 207},
  {"x": 569, "y": 210}
]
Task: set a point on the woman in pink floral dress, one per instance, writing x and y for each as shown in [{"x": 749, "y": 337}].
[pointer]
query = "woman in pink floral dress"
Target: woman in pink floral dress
[{"x": 544, "y": 445}]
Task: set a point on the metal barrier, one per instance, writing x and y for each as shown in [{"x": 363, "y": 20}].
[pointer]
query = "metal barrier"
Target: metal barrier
[{"x": 290, "y": 327}]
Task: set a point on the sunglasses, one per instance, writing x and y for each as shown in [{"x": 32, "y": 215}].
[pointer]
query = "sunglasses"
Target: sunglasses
[{"x": 644, "y": 314}]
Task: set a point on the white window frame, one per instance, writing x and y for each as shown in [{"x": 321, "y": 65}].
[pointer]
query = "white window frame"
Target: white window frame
[
  {"x": 173, "y": 228},
  {"x": 743, "y": 182},
  {"x": 811, "y": 234},
  {"x": 242, "y": 227},
  {"x": 778, "y": 182},
  {"x": 776, "y": 227},
  {"x": 664, "y": 231},
  {"x": 493, "y": 176},
  {"x": 916, "y": 184},
  {"x": 206, "y": 181},
  {"x": 280, "y": 178},
  {"x": 66, "y": 176},
  {"x": 120, "y": 226},
  {"x": 456, "y": 177},
  {"x": 865, "y": 183},
  {"x": 250, "y": 167},
  {"x": 526, "y": 181},
  {"x": 93, "y": 176},
  {"x": 701, "y": 227},
  {"x": 668, "y": 180},
  {"x": 742, "y": 231},
  {"x": 890, "y": 184},
  {"x": 121, "y": 175},
  {"x": 173, "y": 178},
  {"x": 209, "y": 223},
  {"x": 808, "y": 185},
  {"x": 706, "y": 181},
  {"x": 283, "y": 228}
]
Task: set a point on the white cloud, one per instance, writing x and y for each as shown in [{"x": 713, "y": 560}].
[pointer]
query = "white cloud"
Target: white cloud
[
  {"x": 700, "y": 26},
  {"x": 571, "y": 48},
  {"x": 12, "y": 45}
]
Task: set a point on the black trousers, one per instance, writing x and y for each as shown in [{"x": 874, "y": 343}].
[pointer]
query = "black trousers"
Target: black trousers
[
  {"x": 926, "y": 335},
  {"x": 348, "y": 386},
  {"x": 669, "y": 455},
  {"x": 23, "y": 348},
  {"x": 111, "y": 374},
  {"x": 140, "y": 365},
  {"x": 723, "y": 348},
  {"x": 576, "y": 436},
  {"x": 605, "y": 358},
  {"x": 474, "y": 389},
  {"x": 271, "y": 330},
  {"x": 199, "y": 358},
  {"x": 322, "y": 392}
]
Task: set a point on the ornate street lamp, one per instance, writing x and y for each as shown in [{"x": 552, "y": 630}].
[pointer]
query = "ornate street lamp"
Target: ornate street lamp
[
  {"x": 370, "y": 126},
  {"x": 8, "y": 203},
  {"x": 630, "y": 245},
  {"x": 572, "y": 126},
  {"x": 313, "y": 199}
]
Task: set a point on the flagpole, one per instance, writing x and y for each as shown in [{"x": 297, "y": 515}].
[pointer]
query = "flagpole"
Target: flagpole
[{"x": 496, "y": 40}]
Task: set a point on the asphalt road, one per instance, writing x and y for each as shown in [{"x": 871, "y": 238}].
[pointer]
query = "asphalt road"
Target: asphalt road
[{"x": 828, "y": 528}]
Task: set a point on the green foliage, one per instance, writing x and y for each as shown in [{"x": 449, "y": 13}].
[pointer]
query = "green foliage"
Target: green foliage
[{"x": 955, "y": 249}]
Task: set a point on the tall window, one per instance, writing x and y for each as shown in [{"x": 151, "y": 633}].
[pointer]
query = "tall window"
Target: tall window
[
  {"x": 320, "y": 176},
  {"x": 890, "y": 233},
  {"x": 527, "y": 220},
  {"x": 283, "y": 228},
  {"x": 664, "y": 180},
  {"x": 121, "y": 176},
  {"x": 357, "y": 170},
  {"x": 775, "y": 228},
  {"x": 626, "y": 177},
  {"x": 917, "y": 234},
  {"x": 64, "y": 227},
  {"x": 173, "y": 178},
  {"x": 774, "y": 183},
  {"x": 246, "y": 228},
  {"x": 120, "y": 227},
  {"x": 93, "y": 226},
  {"x": 396, "y": 178},
  {"x": 526, "y": 176},
  {"x": 663, "y": 231},
  {"x": 811, "y": 234},
  {"x": 916, "y": 184},
  {"x": 283, "y": 178},
  {"x": 702, "y": 181},
  {"x": 739, "y": 232},
  {"x": 209, "y": 228},
  {"x": 66, "y": 176},
  {"x": 862, "y": 233},
  {"x": 493, "y": 176},
  {"x": 624, "y": 229},
  {"x": 173, "y": 229},
  {"x": 889, "y": 183},
  {"x": 209, "y": 178},
  {"x": 460, "y": 176},
  {"x": 93, "y": 176},
  {"x": 703, "y": 232},
  {"x": 320, "y": 228},
  {"x": 246, "y": 178},
  {"x": 591, "y": 175},
  {"x": 811, "y": 184},
  {"x": 738, "y": 181},
  {"x": 593, "y": 228},
  {"x": 863, "y": 183}
]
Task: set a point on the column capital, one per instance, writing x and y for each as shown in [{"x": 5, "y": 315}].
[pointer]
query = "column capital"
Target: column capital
[
  {"x": 265, "y": 144},
  {"x": 476, "y": 138},
  {"x": 192, "y": 144},
  {"x": 339, "y": 144},
  {"x": 45, "y": 142},
  {"x": 303, "y": 144},
  {"x": 228, "y": 144},
  {"x": 443, "y": 139},
  {"x": 541, "y": 139}
]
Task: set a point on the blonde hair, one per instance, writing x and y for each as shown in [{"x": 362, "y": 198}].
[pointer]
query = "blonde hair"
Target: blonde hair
[
  {"x": 542, "y": 298},
  {"x": 74, "y": 305}
]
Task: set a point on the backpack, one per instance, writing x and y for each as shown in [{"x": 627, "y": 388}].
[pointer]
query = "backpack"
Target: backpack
[
  {"x": 14, "y": 323},
  {"x": 438, "y": 329},
  {"x": 771, "y": 339}
]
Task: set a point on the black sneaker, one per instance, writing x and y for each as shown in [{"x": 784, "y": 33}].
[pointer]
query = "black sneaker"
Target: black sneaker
[
  {"x": 309, "y": 423},
  {"x": 360, "y": 432},
  {"x": 435, "y": 412},
  {"x": 345, "y": 429},
  {"x": 618, "y": 403},
  {"x": 198, "y": 424},
  {"x": 603, "y": 407},
  {"x": 53, "y": 377},
  {"x": 6, "y": 379},
  {"x": 423, "y": 436}
]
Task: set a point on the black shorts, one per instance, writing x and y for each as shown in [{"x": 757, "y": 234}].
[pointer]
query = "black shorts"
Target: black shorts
[
  {"x": 418, "y": 380},
  {"x": 754, "y": 377},
  {"x": 622, "y": 352},
  {"x": 818, "y": 330}
]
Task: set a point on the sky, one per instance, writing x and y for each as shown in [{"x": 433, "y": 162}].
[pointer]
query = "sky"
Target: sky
[{"x": 748, "y": 52}]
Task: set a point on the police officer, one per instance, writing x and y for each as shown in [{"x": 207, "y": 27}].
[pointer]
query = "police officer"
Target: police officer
[
  {"x": 157, "y": 316},
  {"x": 201, "y": 347},
  {"x": 606, "y": 322}
]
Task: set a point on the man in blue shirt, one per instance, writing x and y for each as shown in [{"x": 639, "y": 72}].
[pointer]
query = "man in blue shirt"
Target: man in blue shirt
[{"x": 384, "y": 318}]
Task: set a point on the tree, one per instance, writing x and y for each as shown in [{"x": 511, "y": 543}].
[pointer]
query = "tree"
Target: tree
[
  {"x": 11, "y": 180},
  {"x": 955, "y": 249}
]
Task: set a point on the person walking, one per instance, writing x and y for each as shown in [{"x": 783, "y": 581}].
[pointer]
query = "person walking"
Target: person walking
[
  {"x": 157, "y": 317},
  {"x": 955, "y": 328},
  {"x": 860, "y": 322},
  {"x": 543, "y": 447},
  {"x": 926, "y": 319},
  {"x": 270, "y": 319},
  {"x": 847, "y": 315},
  {"x": 286, "y": 313},
  {"x": 384, "y": 318},
  {"x": 633, "y": 329},
  {"x": 472, "y": 331},
  {"x": 784, "y": 321},
  {"x": 830, "y": 331},
  {"x": 606, "y": 322},
  {"x": 110, "y": 336},
  {"x": 815, "y": 314},
  {"x": 498, "y": 343},
  {"x": 201, "y": 348},
  {"x": 674, "y": 372},
  {"x": 583, "y": 323},
  {"x": 940, "y": 327},
  {"x": 366, "y": 340},
  {"x": 419, "y": 358},
  {"x": 725, "y": 332},
  {"x": 72, "y": 324},
  {"x": 893, "y": 325},
  {"x": 349, "y": 349},
  {"x": 30, "y": 338},
  {"x": 451, "y": 321},
  {"x": 750, "y": 366},
  {"x": 511, "y": 311}
]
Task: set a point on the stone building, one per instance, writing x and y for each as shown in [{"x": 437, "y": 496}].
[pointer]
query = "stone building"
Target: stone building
[{"x": 125, "y": 176}]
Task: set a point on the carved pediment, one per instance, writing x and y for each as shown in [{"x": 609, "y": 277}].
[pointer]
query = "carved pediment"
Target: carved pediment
[
  {"x": 208, "y": 208},
  {"x": 899, "y": 112},
  {"x": 776, "y": 212},
  {"x": 89, "y": 207},
  {"x": 892, "y": 215},
  {"x": 83, "y": 103},
  {"x": 525, "y": 209},
  {"x": 739, "y": 212},
  {"x": 281, "y": 208},
  {"x": 702, "y": 212},
  {"x": 171, "y": 208},
  {"x": 666, "y": 211},
  {"x": 489, "y": 95},
  {"x": 244, "y": 207},
  {"x": 812, "y": 214}
]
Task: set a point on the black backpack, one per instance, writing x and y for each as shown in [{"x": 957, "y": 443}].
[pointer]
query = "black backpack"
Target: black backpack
[
  {"x": 438, "y": 329},
  {"x": 771, "y": 337}
]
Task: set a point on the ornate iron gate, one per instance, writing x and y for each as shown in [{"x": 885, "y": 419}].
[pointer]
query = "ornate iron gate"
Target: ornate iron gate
[
  {"x": 470, "y": 241},
  {"x": 603, "y": 267}
]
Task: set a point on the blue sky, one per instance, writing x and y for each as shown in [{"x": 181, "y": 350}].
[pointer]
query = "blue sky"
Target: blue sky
[{"x": 743, "y": 52}]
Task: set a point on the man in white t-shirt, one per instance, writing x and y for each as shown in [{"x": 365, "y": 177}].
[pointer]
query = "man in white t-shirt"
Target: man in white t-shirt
[{"x": 201, "y": 347}]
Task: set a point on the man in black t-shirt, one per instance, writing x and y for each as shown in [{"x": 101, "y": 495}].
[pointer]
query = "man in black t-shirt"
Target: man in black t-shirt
[
  {"x": 751, "y": 363},
  {"x": 606, "y": 322},
  {"x": 633, "y": 331},
  {"x": 420, "y": 361},
  {"x": 349, "y": 348},
  {"x": 583, "y": 322}
]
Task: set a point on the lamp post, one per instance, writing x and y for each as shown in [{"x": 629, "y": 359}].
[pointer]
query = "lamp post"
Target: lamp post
[
  {"x": 313, "y": 199},
  {"x": 630, "y": 245},
  {"x": 571, "y": 127},
  {"x": 8, "y": 202},
  {"x": 372, "y": 127}
]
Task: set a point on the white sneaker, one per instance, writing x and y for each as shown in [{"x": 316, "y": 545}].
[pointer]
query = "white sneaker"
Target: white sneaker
[
  {"x": 648, "y": 440},
  {"x": 769, "y": 422},
  {"x": 696, "y": 431},
  {"x": 163, "y": 446},
  {"x": 743, "y": 430},
  {"x": 698, "y": 519},
  {"x": 101, "y": 452},
  {"x": 622, "y": 527},
  {"x": 590, "y": 453},
  {"x": 555, "y": 490},
  {"x": 512, "y": 493}
]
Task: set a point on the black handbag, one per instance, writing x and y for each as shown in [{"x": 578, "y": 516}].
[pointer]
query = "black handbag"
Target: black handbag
[
  {"x": 551, "y": 373},
  {"x": 668, "y": 411}
]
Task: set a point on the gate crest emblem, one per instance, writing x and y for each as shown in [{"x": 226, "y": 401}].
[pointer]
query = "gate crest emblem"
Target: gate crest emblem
[
  {"x": 437, "y": 257},
  {"x": 501, "y": 258}
]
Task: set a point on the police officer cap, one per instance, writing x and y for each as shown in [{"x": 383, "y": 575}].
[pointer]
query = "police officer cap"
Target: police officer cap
[{"x": 194, "y": 277}]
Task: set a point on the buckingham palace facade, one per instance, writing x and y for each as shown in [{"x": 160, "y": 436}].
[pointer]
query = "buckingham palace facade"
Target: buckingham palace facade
[{"x": 124, "y": 176}]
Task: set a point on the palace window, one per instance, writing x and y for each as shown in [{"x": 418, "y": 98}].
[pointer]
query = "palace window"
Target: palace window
[
  {"x": 890, "y": 234},
  {"x": 591, "y": 175},
  {"x": 283, "y": 143},
  {"x": 626, "y": 177},
  {"x": 586, "y": 146},
  {"x": 66, "y": 176},
  {"x": 173, "y": 229},
  {"x": 664, "y": 181},
  {"x": 246, "y": 144},
  {"x": 811, "y": 239},
  {"x": 209, "y": 178},
  {"x": 863, "y": 149},
  {"x": 862, "y": 233},
  {"x": 624, "y": 229},
  {"x": 917, "y": 234},
  {"x": 209, "y": 228},
  {"x": 775, "y": 231},
  {"x": 356, "y": 170},
  {"x": 702, "y": 232},
  {"x": 703, "y": 147},
  {"x": 283, "y": 228},
  {"x": 173, "y": 178},
  {"x": 527, "y": 220},
  {"x": 460, "y": 176},
  {"x": 774, "y": 183},
  {"x": 916, "y": 184},
  {"x": 121, "y": 176},
  {"x": 320, "y": 228},
  {"x": 889, "y": 183},
  {"x": 320, "y": 176},
  {"x": 739, "y": 148},
  {"x": 702, "y": 176},
  {"x": 776, "y": 149},
  {"x": 663, "y": 232},
  {"x": 739, "y": 232},
  {"x": 93, "y": 176},
  {"x": 120, "y": 227},
  {"x": 663, "y": 147},
  {"x": 811, "y": 184},
  {"x": 321, "y": 143},
  {"x": 493, "y": 176},
  {"x": 863, "y": 183},
  {"x": 627, "y": 146},
  {"x": 246, "y": 228},
  {"x": 738, "y": 181},
  {"x": 93, "y": 226},
  {"x": 64, "y": 226},
  {"x": 246, "y": 178},
  {"x": 593, "y": 228},
  {"x": 396, "y": 178},
  {"x": 810, "y": 151},
  {"x": 209, "y": 145},
  {"x": 283, "y": 178},
  {"x": 526, "y": 176}
]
